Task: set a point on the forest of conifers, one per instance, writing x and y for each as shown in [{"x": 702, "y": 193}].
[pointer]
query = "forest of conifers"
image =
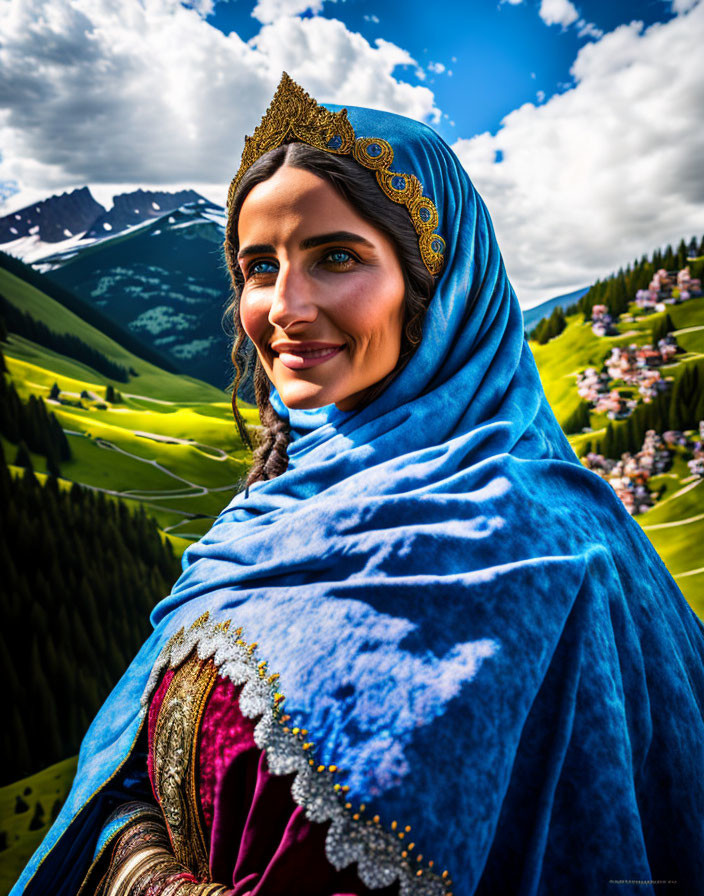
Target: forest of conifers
[{"x": 81, "y": 575}]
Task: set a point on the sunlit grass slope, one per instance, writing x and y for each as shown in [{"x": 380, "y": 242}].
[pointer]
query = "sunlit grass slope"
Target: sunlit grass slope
[
  {"x": 169, "y": 443},
  {"x": 26, "y": 810},
  {"x": 675, "y": 525}
]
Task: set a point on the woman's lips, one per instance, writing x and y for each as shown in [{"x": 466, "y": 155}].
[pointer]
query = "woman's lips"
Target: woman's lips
[{"x": 300, "y": 360}]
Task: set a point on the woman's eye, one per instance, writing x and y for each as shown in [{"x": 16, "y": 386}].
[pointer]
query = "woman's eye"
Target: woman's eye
[
  {"x": 262, "y": 267},
  {"x": 339, "y": 257}
]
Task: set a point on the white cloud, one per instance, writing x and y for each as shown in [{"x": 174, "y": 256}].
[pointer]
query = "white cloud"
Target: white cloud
[
  {"x": 372, "y": 18},
  {"x": 540, "y": 96},
  {"x": 437, "y": 68},
  {"x": 589, "y": 29},
  {"x": 605, "y": 171},
  {"x": 558, "y": 12},
  {"x": 148, "y": 92},
  {"x": 682, "y": 6},
  {"x": 270, "y": 10}
]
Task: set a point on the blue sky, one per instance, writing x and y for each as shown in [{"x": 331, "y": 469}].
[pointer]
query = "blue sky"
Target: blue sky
[
  {"x": 579, "y": 121},
  {"x": 500, "y": 54}
]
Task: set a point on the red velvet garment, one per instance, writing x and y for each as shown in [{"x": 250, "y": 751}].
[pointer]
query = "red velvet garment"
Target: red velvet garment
[{"x": 261, "y": 842}]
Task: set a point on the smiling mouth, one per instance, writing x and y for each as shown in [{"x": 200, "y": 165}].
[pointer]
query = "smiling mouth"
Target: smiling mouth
[{"x": 300, "y": 359}]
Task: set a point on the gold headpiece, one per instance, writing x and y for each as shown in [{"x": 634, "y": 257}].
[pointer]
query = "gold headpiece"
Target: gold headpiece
[{"x": 293, "y": 115}]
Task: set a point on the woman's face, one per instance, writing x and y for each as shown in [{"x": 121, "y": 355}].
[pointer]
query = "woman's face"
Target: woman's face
[{"x": 323, "y": 295}]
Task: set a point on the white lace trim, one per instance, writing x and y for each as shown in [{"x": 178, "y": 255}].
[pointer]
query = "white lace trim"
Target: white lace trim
[{"x": 382, "y": 856}]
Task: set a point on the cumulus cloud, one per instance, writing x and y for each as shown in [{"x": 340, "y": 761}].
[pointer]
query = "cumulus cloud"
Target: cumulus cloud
[
  {"x": 148, "y": 92},
  {"x": 558, "y": 12},
  {"x": 605, "y": 171},
  {"x": 437, "y": 68},
  {"x": 271, "y": 10},
  {"x": 682, "y": 6},
  {"x": 563, "y": 12}
]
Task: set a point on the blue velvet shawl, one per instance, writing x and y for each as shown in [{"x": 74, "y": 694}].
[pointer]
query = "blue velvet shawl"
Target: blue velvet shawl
[{"x": 466, "y": 620}]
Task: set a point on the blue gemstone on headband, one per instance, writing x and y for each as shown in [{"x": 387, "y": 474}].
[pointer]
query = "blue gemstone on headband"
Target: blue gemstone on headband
[
  {"x": 424, "y": 213},
  {"x": 398, "y": 182},
  {"x": 335, "y": 142},
  {"x": 374, "y": 150},
  {"x": 437, "y": 246}
]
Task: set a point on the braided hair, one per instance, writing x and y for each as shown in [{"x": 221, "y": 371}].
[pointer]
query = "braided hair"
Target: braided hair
[{"x": 359, "y": 188}]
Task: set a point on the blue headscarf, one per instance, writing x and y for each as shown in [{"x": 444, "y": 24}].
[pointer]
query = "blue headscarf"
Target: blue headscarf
[{"x": 467, "y": 621}]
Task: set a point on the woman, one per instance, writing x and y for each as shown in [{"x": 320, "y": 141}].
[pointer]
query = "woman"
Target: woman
[{"x": 425, "y": 651}]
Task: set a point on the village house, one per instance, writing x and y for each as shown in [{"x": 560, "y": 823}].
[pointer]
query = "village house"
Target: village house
[
  {"x": 674, "y": 437},
  {"x": 602, "y": 321},
  {"x": 668, "y": 288},
  {"x": 629, "y": 475}
]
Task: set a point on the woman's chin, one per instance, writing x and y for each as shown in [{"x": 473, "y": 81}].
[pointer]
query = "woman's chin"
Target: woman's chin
[{"x": 304, "y": 399}]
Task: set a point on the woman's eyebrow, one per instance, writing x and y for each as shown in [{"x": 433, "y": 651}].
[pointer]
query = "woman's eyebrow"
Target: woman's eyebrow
[
  {"x": 345, "y": 236},
  {"x": 255, "y": 249}
]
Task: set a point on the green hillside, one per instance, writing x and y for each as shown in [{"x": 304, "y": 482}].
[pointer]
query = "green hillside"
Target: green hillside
[
  {"x": 675, "y": 524},
  {"x": 169, "y": 442},
  {"x": 27, "y": 808}
]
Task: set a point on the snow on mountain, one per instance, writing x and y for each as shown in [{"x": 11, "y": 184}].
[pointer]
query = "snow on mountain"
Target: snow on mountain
[
  {"x": 57, "y": 225},
  {"x": 52, "y": 220},
  {"x": 133, "y": 208}
]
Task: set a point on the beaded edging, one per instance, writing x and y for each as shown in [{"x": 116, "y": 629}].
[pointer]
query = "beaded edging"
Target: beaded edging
[
  {"x": 294, "y": 115},
  {"x": 382, "y": 856}
]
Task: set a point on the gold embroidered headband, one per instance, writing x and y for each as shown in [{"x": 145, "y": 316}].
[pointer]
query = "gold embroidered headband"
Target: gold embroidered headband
[{"x": 294, "y": 115}]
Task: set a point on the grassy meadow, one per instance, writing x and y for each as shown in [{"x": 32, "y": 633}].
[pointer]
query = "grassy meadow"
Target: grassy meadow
[{"x": 675, "y": 525}]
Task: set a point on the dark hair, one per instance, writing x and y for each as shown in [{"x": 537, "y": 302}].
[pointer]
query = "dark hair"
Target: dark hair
[{"x": 359, "y": 187}]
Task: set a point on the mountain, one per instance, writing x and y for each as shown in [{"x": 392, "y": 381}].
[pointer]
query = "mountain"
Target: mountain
[
  {"x": 133, "y": 208},
  {"x": 532, "y": 316},
  {"x": 52, "y": 220},
  {"x": 152, "y": 265},
  {"x": 77, "y": 216},
  {"x": 164, "y": 281}
]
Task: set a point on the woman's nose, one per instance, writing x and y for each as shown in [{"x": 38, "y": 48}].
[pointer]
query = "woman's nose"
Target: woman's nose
[{"x": 293, "y": 299}]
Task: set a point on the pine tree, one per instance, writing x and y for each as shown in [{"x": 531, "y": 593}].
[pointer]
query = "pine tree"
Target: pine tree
[
  {"x": 52, "y": 466},
  {"x": 579, "y": 419},
  {"x": 661, "y": 327},
  {"x": 681, "y": 257},
  {"x": 22, "y": 458},
  {"x": 20, "y": 760},
  {"x": 698, "y": 408},
  {"x": 38, "y": 821}
]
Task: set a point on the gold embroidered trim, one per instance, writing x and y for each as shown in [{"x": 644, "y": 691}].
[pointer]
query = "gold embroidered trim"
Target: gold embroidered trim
[
  {"x": 294, "y": 115},
  {"x": 174, "y": 754},
  {"x": 142, "y": 863},
  {"x": 382, "y": 855}
]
